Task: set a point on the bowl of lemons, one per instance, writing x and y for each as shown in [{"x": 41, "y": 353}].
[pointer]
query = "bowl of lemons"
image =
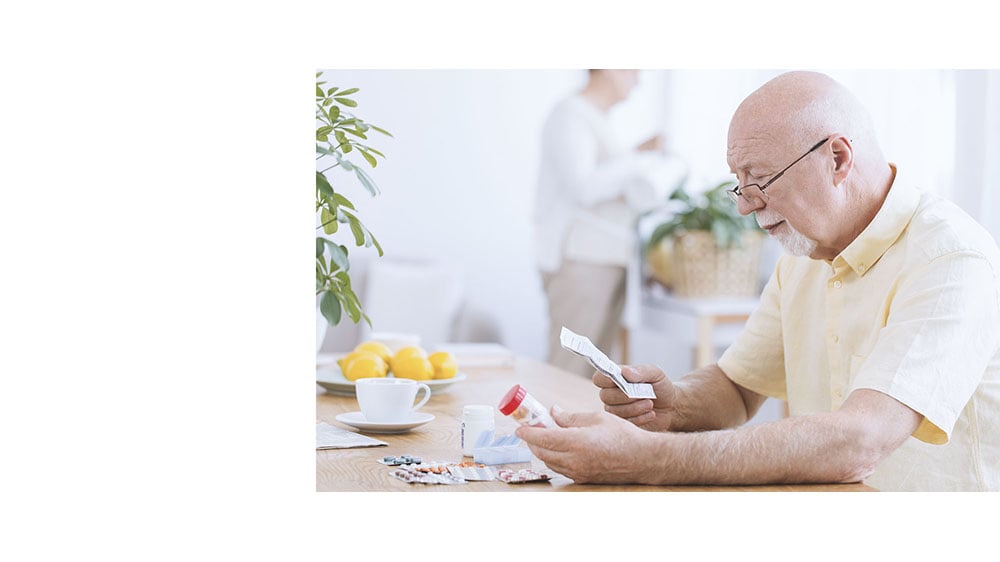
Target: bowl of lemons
[{"x": 371, "y": 358}]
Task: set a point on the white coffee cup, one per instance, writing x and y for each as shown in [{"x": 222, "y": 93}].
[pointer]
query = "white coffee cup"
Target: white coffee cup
[{"x": 389, "y": 400}]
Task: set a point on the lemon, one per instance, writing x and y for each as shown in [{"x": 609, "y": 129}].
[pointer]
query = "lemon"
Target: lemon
[
  {"x": 444, "y": 365},
  {"x": 405, "y": 352},
  {"x": 365, "y": 364},
  {"x": 411, "y": 350},
  {"x": 412, "y": 367},
  {"x": 344, "y": 361},
  {"x": 378, "y": 348}
]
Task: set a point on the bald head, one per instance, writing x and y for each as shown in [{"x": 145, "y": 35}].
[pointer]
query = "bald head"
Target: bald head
[{"x": 800, "y": 108}]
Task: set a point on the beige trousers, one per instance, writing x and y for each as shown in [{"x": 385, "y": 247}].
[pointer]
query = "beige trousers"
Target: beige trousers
[{"x": 589, "y": 300}]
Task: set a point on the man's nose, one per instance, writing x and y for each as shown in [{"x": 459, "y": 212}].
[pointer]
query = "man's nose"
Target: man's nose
[{"x": 749, "y": 203}]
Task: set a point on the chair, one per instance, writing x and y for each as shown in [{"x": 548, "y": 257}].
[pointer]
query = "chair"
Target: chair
[{"x": 415, "y": 297}]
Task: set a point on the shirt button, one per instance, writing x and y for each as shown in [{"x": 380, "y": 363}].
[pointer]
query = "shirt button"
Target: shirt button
[
  {"x": 837, "y": 284},
  {"x": 836, "y": 339}
]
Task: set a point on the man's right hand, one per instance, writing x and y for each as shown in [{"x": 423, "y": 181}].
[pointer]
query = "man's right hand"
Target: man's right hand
[{"x": 654, "y": 415}]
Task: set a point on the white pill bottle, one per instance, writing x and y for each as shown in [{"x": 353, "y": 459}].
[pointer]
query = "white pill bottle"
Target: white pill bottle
[{"x": 478, "y": 424}]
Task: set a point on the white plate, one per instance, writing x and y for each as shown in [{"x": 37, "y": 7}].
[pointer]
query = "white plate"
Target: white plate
[
  {"x": 331, "y": 379},
  {"x": 357, "y": 420}
]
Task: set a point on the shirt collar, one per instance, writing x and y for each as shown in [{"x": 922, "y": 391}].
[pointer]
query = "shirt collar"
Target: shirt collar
[{"x": 898, "y": 208}]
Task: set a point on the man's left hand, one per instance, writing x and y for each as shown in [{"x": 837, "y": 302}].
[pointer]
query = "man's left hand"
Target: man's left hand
[{"x": 590, "y": 447}]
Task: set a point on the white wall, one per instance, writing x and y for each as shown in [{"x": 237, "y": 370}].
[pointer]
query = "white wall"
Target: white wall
[
  {"x": 913, "y": 112},
  {"x": 459, "y": 176}
]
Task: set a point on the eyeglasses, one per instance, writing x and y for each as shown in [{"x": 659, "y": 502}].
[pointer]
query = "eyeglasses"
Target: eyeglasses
[{"x": 737, "y": 191}]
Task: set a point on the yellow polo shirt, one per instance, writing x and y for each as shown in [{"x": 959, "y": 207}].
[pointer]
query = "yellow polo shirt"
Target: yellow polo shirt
[{"x": 911, "y": 308}]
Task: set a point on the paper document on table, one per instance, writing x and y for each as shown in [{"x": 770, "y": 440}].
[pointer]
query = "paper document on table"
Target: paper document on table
[
  {"x": 332, "y": 437},
  {"x": 581, "y": 345}
]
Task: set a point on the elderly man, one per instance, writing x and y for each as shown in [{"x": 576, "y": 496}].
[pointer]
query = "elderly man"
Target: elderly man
[{"x": 881, "y": 329}]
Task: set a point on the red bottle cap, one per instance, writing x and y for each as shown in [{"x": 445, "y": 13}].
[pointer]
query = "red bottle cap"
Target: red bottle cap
[{"x": 512, "y": 399}]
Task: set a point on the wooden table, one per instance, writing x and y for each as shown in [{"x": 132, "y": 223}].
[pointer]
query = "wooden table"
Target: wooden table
[{"x": 355, "y": 470}]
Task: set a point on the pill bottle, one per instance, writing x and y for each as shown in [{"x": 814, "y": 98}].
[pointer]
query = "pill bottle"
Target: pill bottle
[
  {"x": 476, "y": 420},
  {"x": 525, "y": 409}
]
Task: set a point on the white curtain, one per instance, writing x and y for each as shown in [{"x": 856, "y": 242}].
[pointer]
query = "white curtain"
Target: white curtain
[{"x": 977, "y": 146}]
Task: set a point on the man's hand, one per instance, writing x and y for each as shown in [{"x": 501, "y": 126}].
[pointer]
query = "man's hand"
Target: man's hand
[
  {"x": 590, "y": 447},
  {"x": 654, "y": 415}
]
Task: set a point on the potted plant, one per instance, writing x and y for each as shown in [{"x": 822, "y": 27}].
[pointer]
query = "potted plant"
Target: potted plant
[
  {"x": 706, "y": 248},
  {"x": 339, "y": 133}
]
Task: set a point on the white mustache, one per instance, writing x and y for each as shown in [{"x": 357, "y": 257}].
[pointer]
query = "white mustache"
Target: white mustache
[{"x": 768, "y": 219}]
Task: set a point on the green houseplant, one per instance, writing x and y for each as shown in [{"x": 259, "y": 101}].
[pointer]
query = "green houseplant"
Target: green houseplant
[
  {"x": 706, "y": 248},
  {"x": 338, "y": 134}
]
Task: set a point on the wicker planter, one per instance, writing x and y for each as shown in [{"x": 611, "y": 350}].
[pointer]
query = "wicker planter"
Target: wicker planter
[{"x": 699, "y": 269}]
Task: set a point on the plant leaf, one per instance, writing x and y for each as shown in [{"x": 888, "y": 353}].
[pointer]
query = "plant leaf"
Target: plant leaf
[
  {"x": 371, "y": 159},
  {"x": 357, "y": 230},
  {"x": 338, "y": 254},
  {"x": 341, "y": 200},
  {"x": 350, "y": 300},
  {"x": 319, "y": 91},
  {"x": 366, "y": 181},
  {"x": 343, "y": 101},
  {"x": 379, "y": 129},
  {"x": 377, "y": 245},
  {"x": 347, "y": 92},
  {"x": 328, "y": 220},
  {"x": 329, "y": 306},
  {"x": 345, "y": 164},
  {"x": 323, "y": 185}
]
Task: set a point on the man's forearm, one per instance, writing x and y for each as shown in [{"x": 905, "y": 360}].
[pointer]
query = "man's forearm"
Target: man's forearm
[
  {"x": 706, "y": 399},
  {"x": 817, "y": 448}
]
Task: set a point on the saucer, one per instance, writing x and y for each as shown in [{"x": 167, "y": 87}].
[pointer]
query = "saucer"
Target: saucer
[
  {"x": 357, "y": 420},
  {"x": 331, "y": 379}
]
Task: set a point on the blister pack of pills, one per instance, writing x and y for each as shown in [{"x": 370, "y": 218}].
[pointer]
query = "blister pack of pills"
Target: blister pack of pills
[{"x": 523, "y": 476}]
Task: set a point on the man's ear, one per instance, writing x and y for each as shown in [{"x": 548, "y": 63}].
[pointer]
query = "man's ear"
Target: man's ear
[{"x": 843, "y": 158}]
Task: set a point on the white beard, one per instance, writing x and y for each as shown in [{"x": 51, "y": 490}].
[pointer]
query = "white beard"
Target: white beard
[{"x": 793, "y": 241}]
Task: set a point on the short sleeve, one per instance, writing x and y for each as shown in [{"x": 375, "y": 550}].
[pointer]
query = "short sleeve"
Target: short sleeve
[
  {"x": 941, "y": 332},
  {"x": 756, "y": 359}
]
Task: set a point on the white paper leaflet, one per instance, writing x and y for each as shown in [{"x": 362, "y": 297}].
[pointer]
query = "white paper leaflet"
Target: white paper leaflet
[{"x": 581, "y": 345}]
